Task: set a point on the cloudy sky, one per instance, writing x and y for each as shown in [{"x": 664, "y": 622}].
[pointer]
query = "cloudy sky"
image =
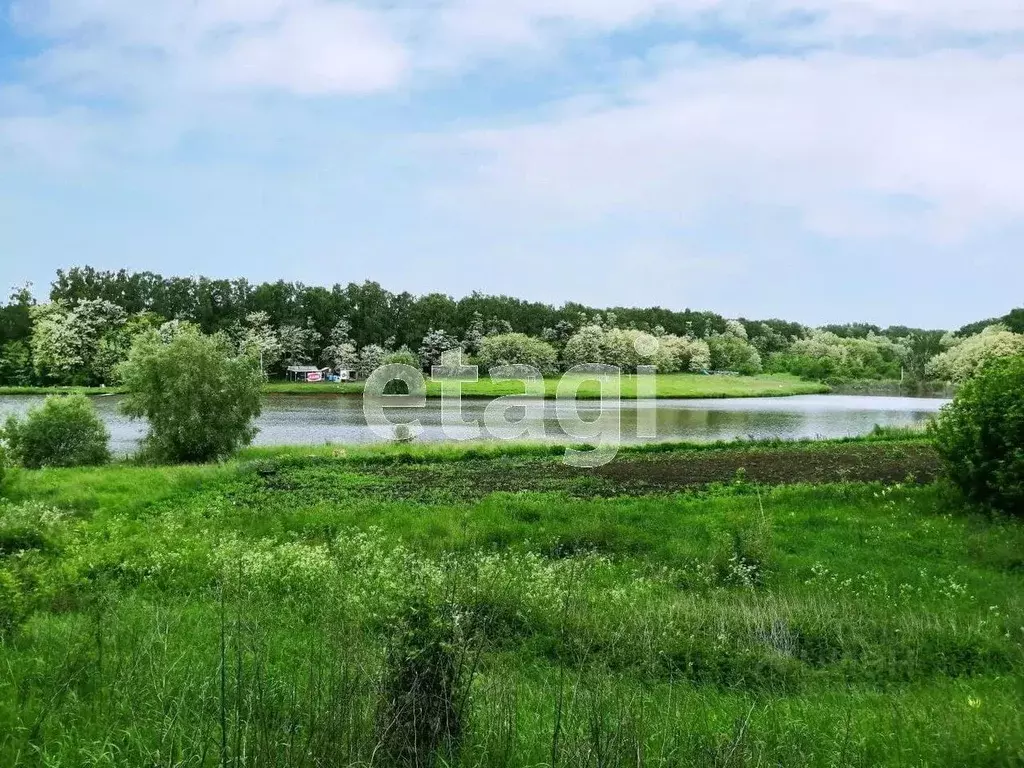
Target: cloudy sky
[{"x": 818, "y": 160}]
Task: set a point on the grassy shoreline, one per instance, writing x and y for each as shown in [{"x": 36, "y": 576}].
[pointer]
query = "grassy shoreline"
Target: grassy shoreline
[{"x": 676, "y": 386}]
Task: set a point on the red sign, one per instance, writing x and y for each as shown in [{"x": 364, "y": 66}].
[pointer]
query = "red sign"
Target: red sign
[{"x": 314, "y": 376}]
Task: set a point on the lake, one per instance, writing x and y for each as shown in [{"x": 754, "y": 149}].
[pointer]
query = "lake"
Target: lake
[{"x": 321, "y": 419}]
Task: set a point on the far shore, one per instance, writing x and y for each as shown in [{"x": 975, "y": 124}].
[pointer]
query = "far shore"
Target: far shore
[{"x": 668, "y": 386}]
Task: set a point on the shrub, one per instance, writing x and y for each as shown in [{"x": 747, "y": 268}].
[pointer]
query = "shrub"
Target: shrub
[
  {"x": 63, "y": 432},
  {"x": 980, "y": 436},
  {"x": 518, "y": 349},
  {"x": 199, "y": 397}
]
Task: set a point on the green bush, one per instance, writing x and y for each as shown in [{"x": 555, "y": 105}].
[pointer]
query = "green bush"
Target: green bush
[
  {"x": 63, "y": 432},
  {"x": 199, "y": 397},
  {"x": 980, "y": 436}
]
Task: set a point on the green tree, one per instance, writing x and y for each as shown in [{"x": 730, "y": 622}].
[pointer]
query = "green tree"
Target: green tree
[
  {"x": 16, "y": 364},
  {"x": 62, "y": 432},
  {"x": 731, "y": 353},
  {"x": 16, "y": 315},
  {"x": 980, "y": 436},
  {"x": 199, "y": 396}
]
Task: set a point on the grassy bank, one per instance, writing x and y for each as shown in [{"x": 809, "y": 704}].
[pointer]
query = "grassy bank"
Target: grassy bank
[
  {"x": 667, "y": 386},
  {"x": 58, "y": 390},
  {"x": 324, "y": 607}
]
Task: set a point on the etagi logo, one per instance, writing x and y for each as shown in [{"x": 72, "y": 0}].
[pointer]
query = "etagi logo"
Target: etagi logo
[{"x": 519, "y": 417}]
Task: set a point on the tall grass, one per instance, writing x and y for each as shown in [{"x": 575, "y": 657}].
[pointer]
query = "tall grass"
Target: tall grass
[{"x": 316, "y": 615}]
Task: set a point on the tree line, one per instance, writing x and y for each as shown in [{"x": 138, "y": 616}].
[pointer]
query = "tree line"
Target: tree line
[{"x": 87, "y": 326}]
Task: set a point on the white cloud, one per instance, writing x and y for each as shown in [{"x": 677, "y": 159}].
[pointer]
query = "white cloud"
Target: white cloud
[
  {"x": 854, "y": 144},
  {"x": 463, "y": 30},
  {"x": 329, "y": 48},
  {"x": 909, "y": 18},
  {"x": 143, "y": 49},
  {"x": 47, "y": 142}
]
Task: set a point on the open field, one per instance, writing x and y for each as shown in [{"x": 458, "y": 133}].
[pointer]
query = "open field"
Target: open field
[
  {"x": 488, "y": 606},
  {"x": 676, "y": 385},
  {"x": 672, "y": 385}
]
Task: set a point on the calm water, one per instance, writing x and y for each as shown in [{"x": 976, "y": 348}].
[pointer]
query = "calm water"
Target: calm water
[{"x": 320, "y": 419}]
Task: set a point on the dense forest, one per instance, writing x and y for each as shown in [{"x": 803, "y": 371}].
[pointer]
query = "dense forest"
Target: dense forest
[{"x": 86, "y": 326}]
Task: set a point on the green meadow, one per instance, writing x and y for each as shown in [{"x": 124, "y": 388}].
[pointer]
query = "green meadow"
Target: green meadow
[
  {"x": 676, "y": 385},
  {"x": 815, "y": 604},
  {"x": 673, "y": 385}
]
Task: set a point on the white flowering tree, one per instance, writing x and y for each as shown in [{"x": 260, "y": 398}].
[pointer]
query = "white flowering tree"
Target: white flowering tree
[
  {"x": 434, "y": 345},
  {"x": 340, "y": 352},
  {"x": 824, "y": 355},
  {"x": 963, "y": 360},
  {"x": 682, "y": 354},
  {"x": 258, "y": 337},
  {"x": 371, "y": 357},
  {"x": 518, "y": 349},
  {"x": 65, "y": 338},
  {"x": 298, "y": 344},
  {"x": 585, "y": 347},
  {"x": 737, "y": 329}
]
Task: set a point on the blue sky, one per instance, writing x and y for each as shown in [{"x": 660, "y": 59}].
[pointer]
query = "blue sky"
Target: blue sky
[{"x": 818, "y": 160}]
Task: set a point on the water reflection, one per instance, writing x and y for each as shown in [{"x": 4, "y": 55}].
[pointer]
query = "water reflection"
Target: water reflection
[{"x": 321, "y": 419}]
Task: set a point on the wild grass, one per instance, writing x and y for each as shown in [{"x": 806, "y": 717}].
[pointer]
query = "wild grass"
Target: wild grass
[{"x": 292, "y": 609}]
